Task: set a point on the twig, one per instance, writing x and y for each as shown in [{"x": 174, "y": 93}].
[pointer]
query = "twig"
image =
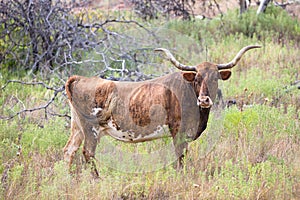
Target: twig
[
  {"x": 27, "y": 83},
  {"x": 44, "y": 107}
]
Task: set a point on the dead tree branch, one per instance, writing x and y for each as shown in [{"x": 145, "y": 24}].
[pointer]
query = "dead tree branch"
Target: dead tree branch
[
  {"x": 43, "y": 107},
  {"x": 47, "y": 36},
  {"x": 150, "y": 9},
  {"x": 28, "y": 83}
]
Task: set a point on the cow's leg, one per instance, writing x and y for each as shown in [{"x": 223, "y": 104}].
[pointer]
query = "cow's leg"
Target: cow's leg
[
  {"x": 73, "y": 143},
  {"x": 89, "y": 150},
  {"x": 180, "y": 149}
]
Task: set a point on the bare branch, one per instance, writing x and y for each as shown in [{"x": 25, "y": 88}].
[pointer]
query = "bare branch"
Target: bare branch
[
  {"x": 27, "y": 83},
  {"x": 150, "y": 9},
  {"x": 43, "y": 107}
]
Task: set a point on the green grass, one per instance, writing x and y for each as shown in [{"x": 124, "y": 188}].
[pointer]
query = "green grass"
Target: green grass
[{"x": 249, "y": 151}]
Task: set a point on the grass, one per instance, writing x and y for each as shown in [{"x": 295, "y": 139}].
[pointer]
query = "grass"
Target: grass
[{"x": 249, "y": 151}]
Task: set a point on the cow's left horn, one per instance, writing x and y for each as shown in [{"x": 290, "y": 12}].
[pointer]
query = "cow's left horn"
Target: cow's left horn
[
  {"x": 237, "y": 57},
  {"x": 175, "y": 62}
]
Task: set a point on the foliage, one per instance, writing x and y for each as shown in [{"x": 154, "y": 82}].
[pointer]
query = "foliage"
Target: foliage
[{"x": 274, "y": 24}]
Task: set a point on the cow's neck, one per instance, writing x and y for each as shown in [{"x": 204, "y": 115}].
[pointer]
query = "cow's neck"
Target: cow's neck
[{"x": 204, "y": 114}]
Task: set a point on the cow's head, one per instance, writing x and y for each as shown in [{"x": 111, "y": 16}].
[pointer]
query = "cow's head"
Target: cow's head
[{"x": 205, "y": 76}]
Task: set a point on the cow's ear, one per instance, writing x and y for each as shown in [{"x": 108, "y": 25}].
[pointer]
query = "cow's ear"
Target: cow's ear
[
  {"x": 189, "y": 76},
  {"x": 225, "y": 74}
]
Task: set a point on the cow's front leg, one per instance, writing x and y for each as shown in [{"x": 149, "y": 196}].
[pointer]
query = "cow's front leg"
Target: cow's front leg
[
  {"x": 89, "y": 150},
  {"x": 73, "y": 143},
  {"x": 180, "y": 149}
]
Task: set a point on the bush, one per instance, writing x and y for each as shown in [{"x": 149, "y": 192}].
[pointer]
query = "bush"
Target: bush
[{"x": 274, "y": 24}]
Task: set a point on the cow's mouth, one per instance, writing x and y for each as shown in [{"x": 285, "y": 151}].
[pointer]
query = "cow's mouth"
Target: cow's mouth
[{"x": 204, "y": 102}]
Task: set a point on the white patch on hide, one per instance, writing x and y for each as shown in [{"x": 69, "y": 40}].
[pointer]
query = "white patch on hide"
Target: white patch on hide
[
  {"x": 96, "y": 132},
  {"x": 130, "y": 136},
  {"x": 160, "y": 132},
  {"x": 95, "y": 111}
]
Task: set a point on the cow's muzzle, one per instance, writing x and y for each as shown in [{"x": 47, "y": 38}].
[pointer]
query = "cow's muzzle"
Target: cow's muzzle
[{"x": 204, "y": 102}]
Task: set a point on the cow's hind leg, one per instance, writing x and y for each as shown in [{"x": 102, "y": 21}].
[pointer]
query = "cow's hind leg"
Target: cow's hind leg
[
  {"x": 89, "y": 150},
  {"x": 73, "y": 143}
]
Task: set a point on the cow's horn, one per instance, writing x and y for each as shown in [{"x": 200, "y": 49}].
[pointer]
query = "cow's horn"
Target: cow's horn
[
  {"x": 175, "y": 62},
  {"x": 237, "y": 57}
]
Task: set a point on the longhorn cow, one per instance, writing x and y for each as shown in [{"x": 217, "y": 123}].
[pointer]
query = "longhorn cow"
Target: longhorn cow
[{"x": 176, "y": 105}]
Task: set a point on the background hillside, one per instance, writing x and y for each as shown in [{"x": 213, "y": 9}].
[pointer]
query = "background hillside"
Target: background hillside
[{"x": 211, "y": 9}]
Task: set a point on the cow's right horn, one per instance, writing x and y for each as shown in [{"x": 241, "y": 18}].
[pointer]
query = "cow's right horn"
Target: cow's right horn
[
  {"x": 175, "y": 62},
  {"x": 237, "y": 57}
]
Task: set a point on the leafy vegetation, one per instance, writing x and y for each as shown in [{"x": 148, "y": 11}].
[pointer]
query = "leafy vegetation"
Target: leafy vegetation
[
  {"x": 254, "y": 156},
  {"x": 275, "y": 25}
]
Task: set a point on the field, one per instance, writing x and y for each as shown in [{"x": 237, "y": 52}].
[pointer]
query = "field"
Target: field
[{"x": 250, "y": 150}]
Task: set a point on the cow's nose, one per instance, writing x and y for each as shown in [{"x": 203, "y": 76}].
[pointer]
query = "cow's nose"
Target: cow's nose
[{"x": 204, "y": 102}]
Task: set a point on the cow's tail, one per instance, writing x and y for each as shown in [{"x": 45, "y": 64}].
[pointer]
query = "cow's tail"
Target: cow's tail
[{"x": 69, "y": 84}]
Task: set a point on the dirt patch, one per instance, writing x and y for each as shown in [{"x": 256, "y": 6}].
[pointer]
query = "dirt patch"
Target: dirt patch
[{"x": 294, "y": 10}]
